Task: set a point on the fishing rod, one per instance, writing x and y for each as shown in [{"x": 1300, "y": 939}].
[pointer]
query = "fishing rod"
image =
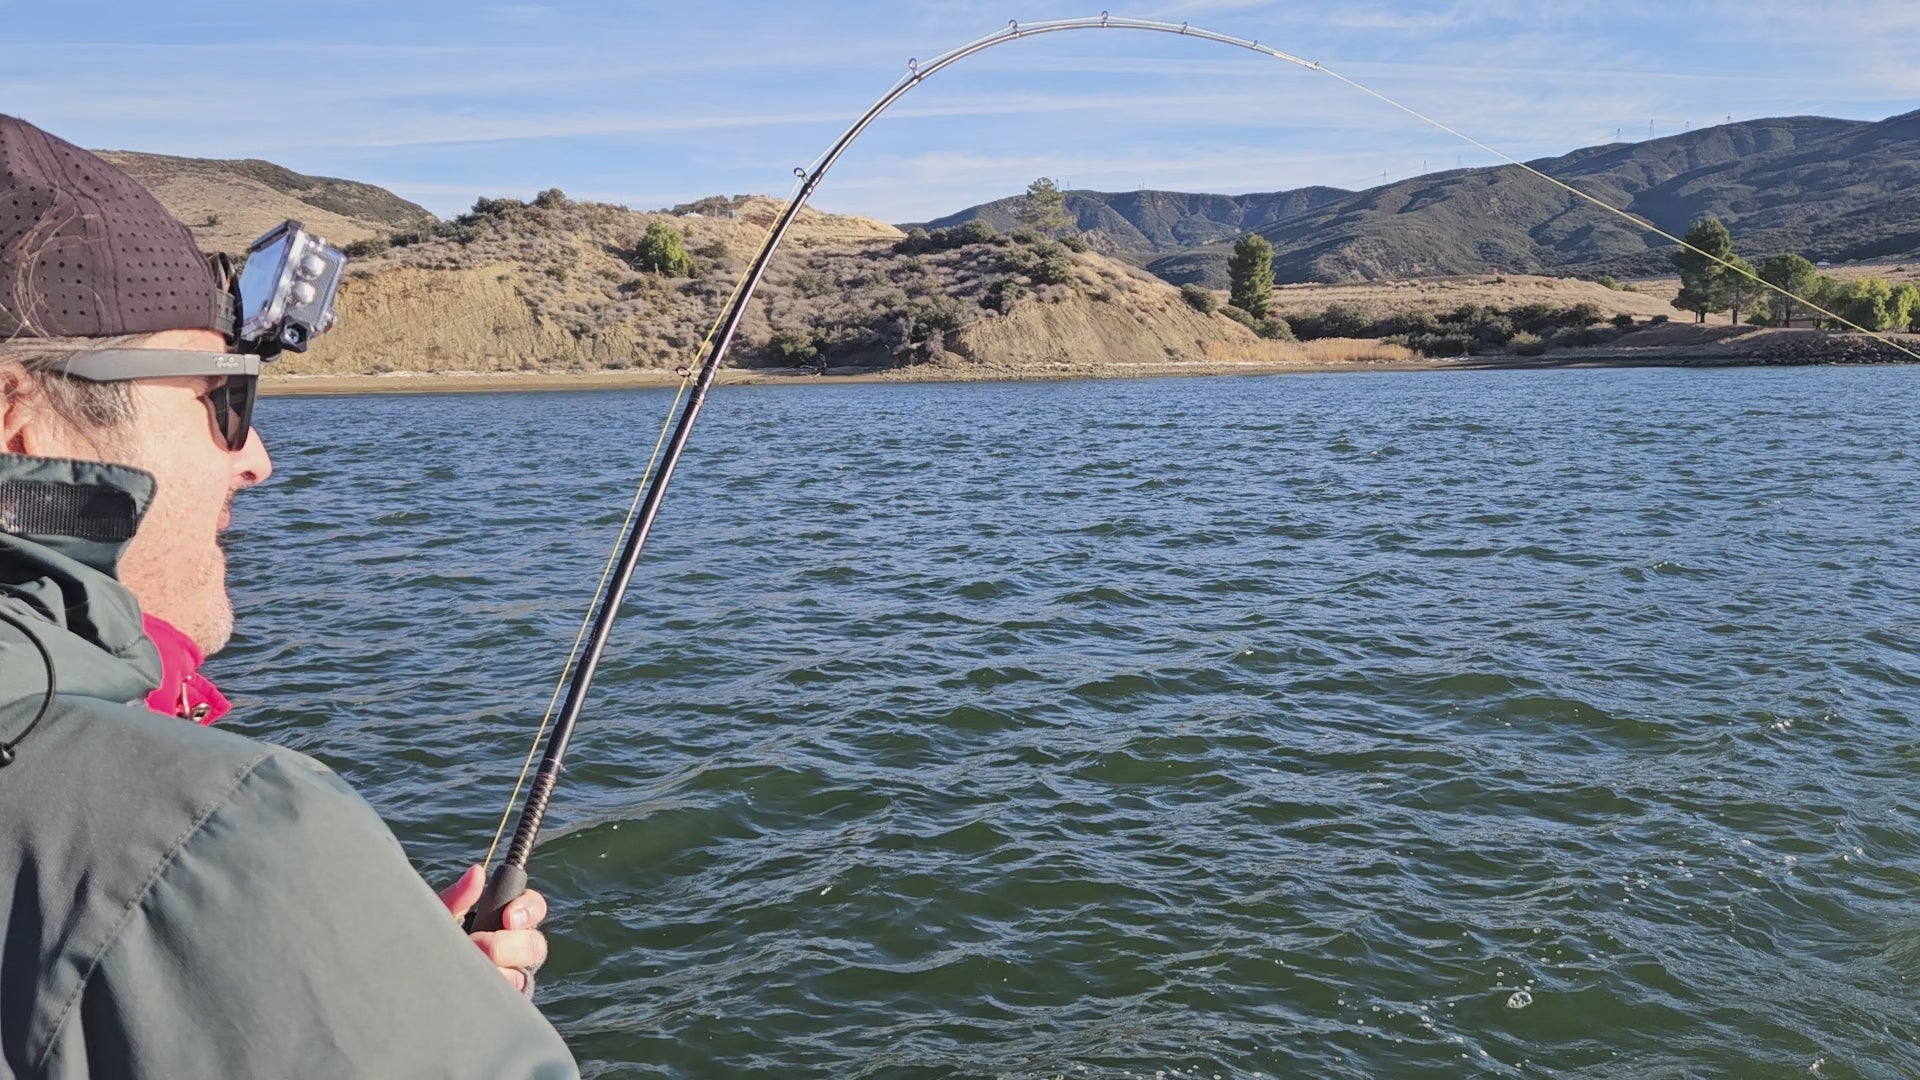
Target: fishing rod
[{"x": 509, "y": 880}]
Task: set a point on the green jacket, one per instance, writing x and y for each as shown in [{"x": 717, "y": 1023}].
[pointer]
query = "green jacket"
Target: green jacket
[{"x": 177, "y": 901}]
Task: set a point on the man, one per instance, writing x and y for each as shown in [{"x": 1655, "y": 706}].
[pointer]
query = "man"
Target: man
[{"x": 177, "y": 901}]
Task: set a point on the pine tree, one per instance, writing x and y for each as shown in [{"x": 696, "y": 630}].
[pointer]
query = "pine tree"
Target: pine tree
[
  {"x": 1250, "y": 275},
  {"x": 1044, "y": 209}
]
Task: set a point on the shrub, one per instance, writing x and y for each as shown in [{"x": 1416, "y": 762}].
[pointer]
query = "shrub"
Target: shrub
[
  {"x": 1072, "y": 242},
  {"x": 1582, "y": 314},
  {"x": 796, "y": 346},
  {"x": 1275, "y": 328},
  {"x": 367, "y": 248},
  {"x": 1199, "y": 299},
  {"x": 485, "y": 207},
  {"x": 977, "y": 231},
  {"x": 551, "y": 199},
  {"x": 811, "y": 283},
  {"x": 1623, "y": 320},
  {"x": 663, "y": 251},
  {"x": 1583, "y": 336},
  {"x": 1338, "y": 320},
  {"x": 916, "y": 242},
  {"x": 1606, "y": 280},
  {"x": 1001, "y": 294},
  {"x": 1054, "y": 267},
  {"x": 1524, "y": 344},
  {"x": 1451, "y": 343},
  {"x": 1658, "y": 320},
  {"x": 1025, "y": 235}
]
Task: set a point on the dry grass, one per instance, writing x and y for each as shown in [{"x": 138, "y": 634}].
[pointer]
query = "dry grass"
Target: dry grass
[
  {"x": 1323, "y": 351},
  {"x": 1439, "y": 295},
  {"x": 240, "y": 209}
]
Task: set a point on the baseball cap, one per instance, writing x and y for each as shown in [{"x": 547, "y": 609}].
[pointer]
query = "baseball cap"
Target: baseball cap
[{"x": 85, "y": 251}]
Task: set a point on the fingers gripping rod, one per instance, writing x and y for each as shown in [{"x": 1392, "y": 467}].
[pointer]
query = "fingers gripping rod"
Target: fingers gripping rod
[{"x": 509, "y": 880}]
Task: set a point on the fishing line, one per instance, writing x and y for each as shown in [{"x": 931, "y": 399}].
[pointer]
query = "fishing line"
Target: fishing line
[
  {"x": 510, "y": 879},
  {"x": 1642, "y": 223},
  {"x": 586, "y": 620}
]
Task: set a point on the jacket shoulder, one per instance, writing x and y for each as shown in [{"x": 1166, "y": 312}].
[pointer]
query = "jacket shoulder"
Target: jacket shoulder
[
  {"x": 97, "y": 800},
  {"x": 289, "y": 933}
]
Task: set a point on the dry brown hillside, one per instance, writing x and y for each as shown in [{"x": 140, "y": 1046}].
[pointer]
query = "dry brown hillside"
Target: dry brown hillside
[
  {"x": 228, "y": 204},
  {"x": 555, "y": 285}
]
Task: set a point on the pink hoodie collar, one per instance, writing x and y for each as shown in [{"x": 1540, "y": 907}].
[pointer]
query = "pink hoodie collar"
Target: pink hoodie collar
[{"x": 183, "y": 691}]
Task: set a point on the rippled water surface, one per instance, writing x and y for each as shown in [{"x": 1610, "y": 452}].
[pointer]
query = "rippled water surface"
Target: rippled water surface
[{"x": 1441, "y": 724}]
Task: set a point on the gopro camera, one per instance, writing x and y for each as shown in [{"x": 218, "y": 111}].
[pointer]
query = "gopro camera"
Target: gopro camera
[{"x": 286, "y": 290}]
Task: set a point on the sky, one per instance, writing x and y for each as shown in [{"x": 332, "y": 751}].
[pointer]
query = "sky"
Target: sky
[{"x": 652, "y": 104}]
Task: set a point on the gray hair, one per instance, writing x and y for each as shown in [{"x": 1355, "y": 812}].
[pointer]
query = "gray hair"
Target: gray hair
[{"x": 92, "y": 408}]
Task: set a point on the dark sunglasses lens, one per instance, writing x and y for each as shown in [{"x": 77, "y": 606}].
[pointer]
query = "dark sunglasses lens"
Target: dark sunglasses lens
[{"x": 233, "y": 408}]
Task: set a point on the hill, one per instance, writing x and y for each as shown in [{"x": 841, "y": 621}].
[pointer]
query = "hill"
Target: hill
[
  {"x": 1146, "y": 223},
  {"x": 230, "y": 203},
  {"x": 557, "y": 286},
  {"x": 1838, "y": 190}
]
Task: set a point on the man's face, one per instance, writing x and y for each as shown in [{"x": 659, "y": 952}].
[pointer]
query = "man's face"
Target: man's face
[{"x": 174, "y": 566}]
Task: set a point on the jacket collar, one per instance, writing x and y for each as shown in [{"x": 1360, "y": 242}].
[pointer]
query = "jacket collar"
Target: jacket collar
[{"x": 63, "y": 527}]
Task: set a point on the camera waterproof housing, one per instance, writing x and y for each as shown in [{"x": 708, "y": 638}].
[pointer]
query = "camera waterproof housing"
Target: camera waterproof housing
[{"x": 286, "y": 291}]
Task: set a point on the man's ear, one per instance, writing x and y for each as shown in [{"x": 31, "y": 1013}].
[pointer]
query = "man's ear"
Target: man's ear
[{"x": 19, "y": 406}]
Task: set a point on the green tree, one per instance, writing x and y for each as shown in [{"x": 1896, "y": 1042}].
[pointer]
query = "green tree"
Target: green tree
[
  {"x": 1250, "y": 275},
  {"x": 1790, "y": 273},
  {"x": 1700, "y": 270},
  {"x": 1905, "y": 305},
  {"x": 1044, "y": 209},
  {"x": 1739, "y": 287},
  {"x": 663, "y": 251},
  {"x": 1865, "y": 302}
]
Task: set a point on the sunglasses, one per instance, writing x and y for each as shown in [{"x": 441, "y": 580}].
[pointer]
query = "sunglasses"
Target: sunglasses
[
  {"x": 232, "y": 405},
  {"x": 231, "y": 402}
]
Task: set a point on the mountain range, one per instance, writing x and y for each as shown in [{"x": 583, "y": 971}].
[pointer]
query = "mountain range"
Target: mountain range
[{"x": 1830, "y": 189}]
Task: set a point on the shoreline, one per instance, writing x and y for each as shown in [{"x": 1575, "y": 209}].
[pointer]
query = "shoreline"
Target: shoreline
[{"x": 480, "y": 382}]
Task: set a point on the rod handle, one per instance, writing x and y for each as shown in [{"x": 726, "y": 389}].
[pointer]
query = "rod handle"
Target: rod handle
[{"x": 503, "y": 888}]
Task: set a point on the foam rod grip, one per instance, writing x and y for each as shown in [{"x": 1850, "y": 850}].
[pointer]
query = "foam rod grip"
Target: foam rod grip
[{"x": 503, "y": 888}]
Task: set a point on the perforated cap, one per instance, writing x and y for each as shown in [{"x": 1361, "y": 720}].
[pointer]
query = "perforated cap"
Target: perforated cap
[{"x": 87, "y": 252}]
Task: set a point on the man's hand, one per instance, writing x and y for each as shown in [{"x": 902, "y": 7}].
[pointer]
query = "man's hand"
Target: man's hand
[{"x": 518, "y": 949}]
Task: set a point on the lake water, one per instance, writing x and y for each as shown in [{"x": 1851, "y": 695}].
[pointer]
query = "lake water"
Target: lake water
[{"x": 1495, "y": 723}]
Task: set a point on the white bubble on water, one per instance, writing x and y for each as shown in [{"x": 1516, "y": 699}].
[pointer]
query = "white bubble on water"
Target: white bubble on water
[{"x": 1520, "y": 999}]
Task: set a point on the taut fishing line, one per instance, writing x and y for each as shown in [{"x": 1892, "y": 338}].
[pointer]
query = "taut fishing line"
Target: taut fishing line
[{"x": 510, "y": 879}]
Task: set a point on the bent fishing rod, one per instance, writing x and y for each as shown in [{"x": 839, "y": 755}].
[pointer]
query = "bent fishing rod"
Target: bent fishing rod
[{"x": 509, "y": 880}]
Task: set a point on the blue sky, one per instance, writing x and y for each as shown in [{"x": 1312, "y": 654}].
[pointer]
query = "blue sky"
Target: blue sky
[{"x": 650, "y": 104}]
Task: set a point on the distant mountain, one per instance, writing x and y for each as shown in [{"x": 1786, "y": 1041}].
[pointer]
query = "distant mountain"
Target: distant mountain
[
  {"x": 1831, "y": 189},
  {"x": 1145, "y": 223}
]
